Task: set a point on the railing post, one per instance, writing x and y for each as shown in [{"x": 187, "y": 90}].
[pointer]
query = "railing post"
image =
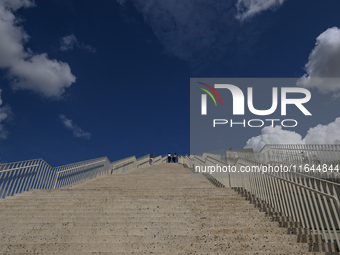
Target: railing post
[{"x": 56, "y": 179}]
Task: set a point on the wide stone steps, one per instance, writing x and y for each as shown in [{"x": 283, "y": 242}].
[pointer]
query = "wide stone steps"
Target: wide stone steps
[
  {"x": 189, "y": 193},
  {"x": 99, "y": 205},
  {"x": 146, "y": 237},
  {"x": 166, "y": 247},
  {"x": 129, "y": 219},
  {"x": 157, "y": 210},
  {"x": 129, "y": 199},
  {"x": 137, "y": 229},
  {"x": 136, "y": 226},
  {"x": 178, "y": 253},
  {"x": 140, "y": 208},
  {"x": 115, "y": 198},
  {"x": 136, "y": 213}
]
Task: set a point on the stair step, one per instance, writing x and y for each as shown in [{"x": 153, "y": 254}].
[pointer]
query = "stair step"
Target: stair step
[
  {"x": 154, "y": 247},
  {"x": 29, "y": 209},
  {"x": 181, "y": 253},
  {"x": 137, "y": 229},
  {"x": 161, "y": 209},
  {"x": 148, "y": 236},
  {"x": 169, "y": 218},
  {"x": 134, "y": 213}
]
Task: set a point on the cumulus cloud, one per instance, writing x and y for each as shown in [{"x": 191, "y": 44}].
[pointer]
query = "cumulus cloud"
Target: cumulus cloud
[
  {"x": 5, "y": 114},
  {"x": 323, "y": 66},
  {"x": 77, "y": 131},
  {"x": 42, "y": 75},
  {"x": 249, "y": 8},
  {"x": 198, "y": 31},
  {"x": 16, "y": 4},
  {"x": 320, "y": 134},
  {"x": 324, "y": 134},
  {"x": 273, "y": 135},
  {"x": 70, "y": 41},
  {"x": 26, "y": 70}
]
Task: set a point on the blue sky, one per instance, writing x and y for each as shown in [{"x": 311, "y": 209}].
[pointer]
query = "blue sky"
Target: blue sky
[{"x": 83, "y": 79}]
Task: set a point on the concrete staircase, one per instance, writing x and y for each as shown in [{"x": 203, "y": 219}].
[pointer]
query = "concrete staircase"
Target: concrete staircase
[{"x": 161, "y": 209}]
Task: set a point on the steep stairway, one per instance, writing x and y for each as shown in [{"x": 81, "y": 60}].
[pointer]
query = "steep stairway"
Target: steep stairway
[{"x": 161, "y": 209}]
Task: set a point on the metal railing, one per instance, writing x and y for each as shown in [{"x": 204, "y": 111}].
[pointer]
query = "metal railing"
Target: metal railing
[
  {"x": 301, "y": 154},
  {"x": 25, "y": 175},
  {"x": 312, "y": 201},
  {"x": 305, "y": 196},
  {"x": 184, "y": 160},
  {"x": 22, "y": 176},
  {"x": 159, "y": 160},
  {"x": 322, "y": 161},
  {"x": 73, "y": 174},
  {"x": 145, "y": 156}
]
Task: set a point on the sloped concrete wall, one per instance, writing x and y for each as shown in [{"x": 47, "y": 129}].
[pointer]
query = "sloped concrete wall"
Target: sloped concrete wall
[{"x": 124, "y": 165}]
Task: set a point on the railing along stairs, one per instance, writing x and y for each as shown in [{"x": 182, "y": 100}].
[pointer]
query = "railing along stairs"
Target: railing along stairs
[
  {"x": 22, "y": 176},
  {"x": 298, "y": 185}
]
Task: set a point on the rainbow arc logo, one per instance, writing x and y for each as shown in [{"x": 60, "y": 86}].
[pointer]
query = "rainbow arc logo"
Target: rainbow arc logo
[{"x": 204, "y": 97}]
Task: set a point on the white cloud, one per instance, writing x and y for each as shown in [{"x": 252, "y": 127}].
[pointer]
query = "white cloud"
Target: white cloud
[
  {"x": 320, "y": 134},
  {"x": 249, "y": 8},
  {"x": 323, "y": 67},
  {"x": 42, "y": 75},
  {"x": 77, "y": 131},
  {"x": 324, "y": 134},
  {"x": 26, "y": 70},
  {"x": 5, "y": 114},
  {"x": 273, "y": 135},
  {"x": 70, "y": 41},
  {"x": 16, "y": 4}
]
